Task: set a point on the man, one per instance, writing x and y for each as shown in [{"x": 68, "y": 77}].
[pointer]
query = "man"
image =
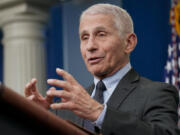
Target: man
[{"x": 128, "y": 104}]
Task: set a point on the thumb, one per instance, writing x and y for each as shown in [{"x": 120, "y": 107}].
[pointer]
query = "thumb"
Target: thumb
[{"x": 50, "y": 98}]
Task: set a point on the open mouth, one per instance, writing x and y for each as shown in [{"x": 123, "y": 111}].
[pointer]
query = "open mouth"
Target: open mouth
[{"x": 95, "y": 60}]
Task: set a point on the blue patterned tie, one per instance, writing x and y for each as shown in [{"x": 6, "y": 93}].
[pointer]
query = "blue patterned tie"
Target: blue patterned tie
[{"x": 100, "y": 88}]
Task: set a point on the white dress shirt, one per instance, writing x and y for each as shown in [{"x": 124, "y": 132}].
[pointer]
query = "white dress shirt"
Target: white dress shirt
[{"x": 110, "y": 83}]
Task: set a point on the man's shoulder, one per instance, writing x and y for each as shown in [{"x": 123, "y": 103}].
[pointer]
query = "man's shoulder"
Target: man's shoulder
[
  {"x": 147, "y": 83},
  {"x": 154, "y": 86}
]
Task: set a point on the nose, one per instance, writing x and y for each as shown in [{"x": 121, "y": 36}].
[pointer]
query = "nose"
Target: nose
[{"x": 91, "y": 44}]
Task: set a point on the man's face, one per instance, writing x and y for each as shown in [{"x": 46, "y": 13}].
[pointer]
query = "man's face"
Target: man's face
[{"x": 102, "y": 48}]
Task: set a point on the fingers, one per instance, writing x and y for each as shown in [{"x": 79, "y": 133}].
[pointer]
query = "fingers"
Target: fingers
[
  {"x": 27, "y": 91},
  {"x": 34, "y": 88},
  {"x": 69, "y": 82},
  {"x": 59, "y": 93},
  {"x": 48, "y": 97},
  {"x": 33, "y": 83},
  {"x": 66, "y": 105},
  {"x": 68, "y": 77},
  {"x": 30, "y": 87},
  {"x": 31, "y": 97},
  {"x": 59, "y": 83}
]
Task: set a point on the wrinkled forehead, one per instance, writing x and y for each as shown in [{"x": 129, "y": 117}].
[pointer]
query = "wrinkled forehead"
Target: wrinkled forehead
[
  {"x": 86, "y": 20},
  {"x": 94, "y": 14}
]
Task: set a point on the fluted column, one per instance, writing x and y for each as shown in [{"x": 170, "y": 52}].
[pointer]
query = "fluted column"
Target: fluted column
[{"x": 23, "y": 23}]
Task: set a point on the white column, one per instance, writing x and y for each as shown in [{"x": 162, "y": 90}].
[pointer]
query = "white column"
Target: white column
[{"x": 23, "y": 44}]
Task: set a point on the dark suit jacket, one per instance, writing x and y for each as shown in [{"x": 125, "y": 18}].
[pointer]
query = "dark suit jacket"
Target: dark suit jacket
[{"x": 138, "y": 106}]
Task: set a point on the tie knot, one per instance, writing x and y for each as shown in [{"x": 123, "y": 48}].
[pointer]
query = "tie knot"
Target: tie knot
[{"x": 101, "y": 86}]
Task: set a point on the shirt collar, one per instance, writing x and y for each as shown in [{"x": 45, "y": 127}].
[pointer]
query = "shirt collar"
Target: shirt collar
[{"x": 114, "y": 79}]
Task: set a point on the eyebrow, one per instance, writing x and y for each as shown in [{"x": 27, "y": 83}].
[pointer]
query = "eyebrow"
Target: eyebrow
[{"x": 100, "y": 28}]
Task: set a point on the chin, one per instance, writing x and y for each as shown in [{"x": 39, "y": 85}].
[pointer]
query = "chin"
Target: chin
[
  {"x": 97, "y": 70},
  {"x": 97, "y": 73}
]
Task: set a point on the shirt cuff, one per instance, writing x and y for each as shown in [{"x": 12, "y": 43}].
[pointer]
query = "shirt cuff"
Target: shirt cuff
[{"x": 100, "y": 119}]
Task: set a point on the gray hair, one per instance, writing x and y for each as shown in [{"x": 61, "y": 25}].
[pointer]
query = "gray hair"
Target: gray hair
[{"x": 122, "y": 19}]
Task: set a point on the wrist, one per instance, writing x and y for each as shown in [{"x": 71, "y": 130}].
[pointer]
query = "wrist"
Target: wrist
[{"x": 97, "y": 112}]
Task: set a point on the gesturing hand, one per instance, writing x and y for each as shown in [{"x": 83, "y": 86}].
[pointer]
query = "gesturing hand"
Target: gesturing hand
[
  {"x": 74, "y": 97},
  {"x": 32, "y": 93}
]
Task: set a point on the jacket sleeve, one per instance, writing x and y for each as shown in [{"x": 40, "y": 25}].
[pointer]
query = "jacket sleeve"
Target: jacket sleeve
[{"x": 159, "y": 116}]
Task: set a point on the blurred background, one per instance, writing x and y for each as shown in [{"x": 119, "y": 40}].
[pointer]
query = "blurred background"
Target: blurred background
[{"x": 41, "y": 36}]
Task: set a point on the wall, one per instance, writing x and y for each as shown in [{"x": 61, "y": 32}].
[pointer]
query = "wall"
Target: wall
[
  {"x": 54, "y": 42},
  {"x": 151, "y": 21}
]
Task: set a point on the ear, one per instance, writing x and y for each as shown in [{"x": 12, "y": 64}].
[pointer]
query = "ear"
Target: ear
[{"x": 131, "y": 42}]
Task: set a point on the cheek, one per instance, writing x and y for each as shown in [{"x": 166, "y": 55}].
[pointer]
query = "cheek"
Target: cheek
[
  {"x": 111, "y": 59},
  {"x": 82, "y": 51},
  {"x": 113, "y": 55},
  {"x": 112, "y": 52}
]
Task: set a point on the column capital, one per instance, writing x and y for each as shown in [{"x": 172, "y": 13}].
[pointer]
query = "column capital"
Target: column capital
[
  {"x": 10, "y": 3},
  {"x": 14, "y": 10}
]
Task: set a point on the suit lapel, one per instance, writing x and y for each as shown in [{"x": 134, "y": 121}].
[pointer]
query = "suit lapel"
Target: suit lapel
[{"x": 127, "y": 84}]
